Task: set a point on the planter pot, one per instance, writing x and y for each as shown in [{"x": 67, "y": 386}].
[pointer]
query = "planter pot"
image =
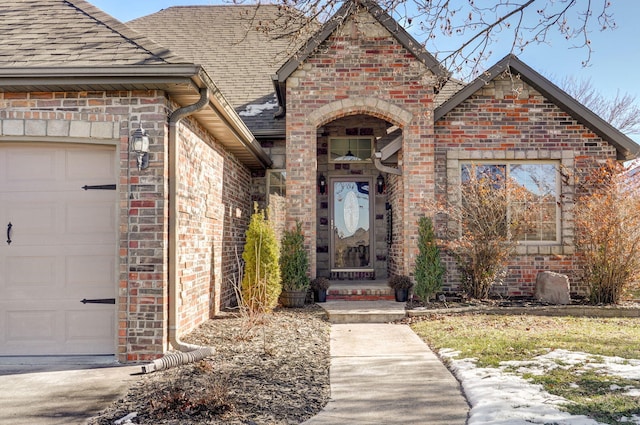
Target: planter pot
[
  {"x": 320, "y": 295},
  {"x": 293, "y": 298},
  {"x": 402, "y": 295}
]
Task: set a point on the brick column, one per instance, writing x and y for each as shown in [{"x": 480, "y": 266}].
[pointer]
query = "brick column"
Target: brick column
[{"x": 301, "y": 179}]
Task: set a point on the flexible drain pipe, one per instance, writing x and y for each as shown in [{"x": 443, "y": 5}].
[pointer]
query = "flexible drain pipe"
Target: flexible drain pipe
[
  {"x": 187, "y": 352},
  {"x": 176, "y": 359}
]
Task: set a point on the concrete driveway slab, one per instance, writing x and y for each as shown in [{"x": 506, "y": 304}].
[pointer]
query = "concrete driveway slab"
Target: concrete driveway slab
[{"x": 60, "y": 390}]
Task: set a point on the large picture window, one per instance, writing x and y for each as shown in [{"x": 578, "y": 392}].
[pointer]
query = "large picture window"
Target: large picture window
[{"x": 539, "y": 189}]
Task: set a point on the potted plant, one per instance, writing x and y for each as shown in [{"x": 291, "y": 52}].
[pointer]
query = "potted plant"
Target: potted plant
[
  {"x": 294, "y": 263},
  {"x": 401, "y": 284},
  {"x": 320, "y": 286}
]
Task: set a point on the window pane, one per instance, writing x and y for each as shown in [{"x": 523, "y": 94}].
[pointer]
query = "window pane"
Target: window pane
[
  {"x": 276, "y": 182},
  {"x": 539, "y": 201},
  {"x": 350, "y": 149},
  {"x": 538, "y": 179},
  {"x": 533, "y": 205},
  {"x": 491, "y": 171}
]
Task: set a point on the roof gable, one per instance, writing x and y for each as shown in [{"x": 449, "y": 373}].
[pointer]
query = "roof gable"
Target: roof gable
[
  {"x": 348, "y": 8},
  {"x": 625, "y": 147},
  {"x": 37, "y": 33}
]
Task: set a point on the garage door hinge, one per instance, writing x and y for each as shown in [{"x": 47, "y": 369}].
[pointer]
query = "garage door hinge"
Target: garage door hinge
[
  {"x": 99, "y": 301},
  {"x": 100, "y": 187}
]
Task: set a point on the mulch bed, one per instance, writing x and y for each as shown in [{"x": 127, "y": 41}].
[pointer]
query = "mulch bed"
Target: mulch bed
[{"x": 268, "y": 370}]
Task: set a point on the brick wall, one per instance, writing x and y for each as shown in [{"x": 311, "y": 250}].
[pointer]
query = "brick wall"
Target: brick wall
[
  {"x": 110, "y": 118},
  {"x": 214, "y": 212},
  {"x": 498, "y": 123},
  {"x": 214, "y": 205},
  {"x": 362, "y": 70}
]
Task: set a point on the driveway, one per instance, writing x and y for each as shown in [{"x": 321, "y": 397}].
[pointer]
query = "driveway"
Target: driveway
[{"x": 60, "y": 390}]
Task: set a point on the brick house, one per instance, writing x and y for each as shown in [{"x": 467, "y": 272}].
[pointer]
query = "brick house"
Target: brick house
[
  {"x": 355, "y": 132},
  {"x": 148, "y": 250}
]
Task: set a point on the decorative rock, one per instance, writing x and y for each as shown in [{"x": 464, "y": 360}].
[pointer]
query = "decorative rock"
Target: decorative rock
[{"x": 552, "y": 288}]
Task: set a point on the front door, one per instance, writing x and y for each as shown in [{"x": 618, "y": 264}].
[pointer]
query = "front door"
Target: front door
[{"x": 352, "y": 235}]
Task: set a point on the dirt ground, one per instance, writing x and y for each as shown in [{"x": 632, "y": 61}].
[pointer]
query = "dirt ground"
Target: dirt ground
[{"x": 269, "y": 370}]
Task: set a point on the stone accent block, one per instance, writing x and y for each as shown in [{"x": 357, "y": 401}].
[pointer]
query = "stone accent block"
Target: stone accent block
[
  {"x": 552, "y": 288},
  {"x": 102, "y": 130},
  {"x": 58, "y": 128},
  {"x": 13, "y": 128},
  {"x": 35, "y": 128},
  {"x": 80, "y": 129}
]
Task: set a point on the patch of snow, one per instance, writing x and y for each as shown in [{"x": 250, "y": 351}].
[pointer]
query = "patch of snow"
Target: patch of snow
[
  {"x": 126, "y": 419},
  {"x": 500, "y": 397},
  {"x": 257, "y": 109}
]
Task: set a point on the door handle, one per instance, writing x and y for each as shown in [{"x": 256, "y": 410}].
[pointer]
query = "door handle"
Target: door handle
[
  {"x": 9, "y": 226},
  {"x": 99, "y": 301}
]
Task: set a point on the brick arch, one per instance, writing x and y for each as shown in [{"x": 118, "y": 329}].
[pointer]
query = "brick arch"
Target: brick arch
[{"x": 360, "y": 105}]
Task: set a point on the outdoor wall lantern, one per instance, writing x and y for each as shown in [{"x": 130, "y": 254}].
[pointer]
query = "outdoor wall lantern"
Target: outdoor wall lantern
[
  {"x": 322, "y": 184},
  {"x": 380, "y": 183},
  {"x": 140, "y": 146}
]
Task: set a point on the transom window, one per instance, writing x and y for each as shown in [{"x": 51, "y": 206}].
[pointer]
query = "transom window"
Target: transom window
[
  {"x": 350, "y": 149},
  {"x": 540, "y": 199}
]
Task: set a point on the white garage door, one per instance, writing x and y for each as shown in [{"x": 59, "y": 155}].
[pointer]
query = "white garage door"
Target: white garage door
[{"x": 58, "y": 247}]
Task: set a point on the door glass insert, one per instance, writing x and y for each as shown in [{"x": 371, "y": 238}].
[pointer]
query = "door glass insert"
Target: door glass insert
[{"x": 351, "y": 225}]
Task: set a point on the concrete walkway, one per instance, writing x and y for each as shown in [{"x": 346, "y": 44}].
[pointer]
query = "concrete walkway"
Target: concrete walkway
[
  {"x": 380, "y": 374},
  {"x": 385, "y": 374}
]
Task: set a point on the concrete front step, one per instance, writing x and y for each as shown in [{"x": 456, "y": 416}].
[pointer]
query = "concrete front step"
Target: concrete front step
[
  {"x": 364, "y": 290},
  {"x": 381, "y": 311}
]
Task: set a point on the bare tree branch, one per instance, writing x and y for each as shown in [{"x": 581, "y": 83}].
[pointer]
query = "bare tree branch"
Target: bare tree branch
[
  {"x": 472, "y": 27},
  {"x": 622, "y": 111}
]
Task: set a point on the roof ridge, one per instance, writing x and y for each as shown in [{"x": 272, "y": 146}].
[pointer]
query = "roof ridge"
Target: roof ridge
[{"x": 127, "y": 33}]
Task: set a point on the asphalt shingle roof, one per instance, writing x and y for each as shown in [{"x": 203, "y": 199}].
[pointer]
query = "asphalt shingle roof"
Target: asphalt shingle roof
[
  {"x": 44, "y": 33},
  {"x": 226, "y": 41}
]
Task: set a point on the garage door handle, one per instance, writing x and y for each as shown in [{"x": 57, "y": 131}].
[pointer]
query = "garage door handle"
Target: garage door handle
[
  {"x": 99, "y": 301},
  {"x": 9, "y": 226}
]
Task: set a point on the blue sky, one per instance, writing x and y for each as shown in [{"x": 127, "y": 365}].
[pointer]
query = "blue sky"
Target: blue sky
[{"x": 614, "y": 64}]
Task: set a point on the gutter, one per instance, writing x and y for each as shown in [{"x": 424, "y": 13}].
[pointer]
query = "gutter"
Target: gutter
[
  {"x": 119, "y": 71},
  {"x": 280, "y": 89},
  {"x": 385, "y": 153},
  {"x": 232, "y": 120}
]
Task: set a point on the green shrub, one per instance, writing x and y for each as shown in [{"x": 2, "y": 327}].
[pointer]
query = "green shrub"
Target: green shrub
[
  {"x": 429, "y": 269},
  {"x": 261, "y": 279},
  {"x": 294, "y": 261}
]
